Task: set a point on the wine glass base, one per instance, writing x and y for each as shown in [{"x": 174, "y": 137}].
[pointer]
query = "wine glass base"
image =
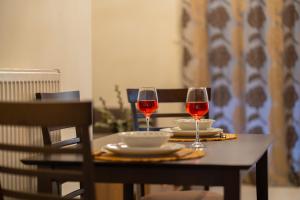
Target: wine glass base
[{"x": 198, "y": 145}]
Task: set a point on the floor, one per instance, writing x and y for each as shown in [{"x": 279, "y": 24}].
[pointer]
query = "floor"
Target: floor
[
  {"x": 248, "y": 192},
  {"x": 275, "y": 193}
]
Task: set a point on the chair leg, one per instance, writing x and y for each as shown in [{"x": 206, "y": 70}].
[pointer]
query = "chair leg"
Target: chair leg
[
  {"x": 81, "y": 186},
  {"x": 142, "y": 190},
  {"x": 128, "y": 193},
  {"x": 206, "y": 188},
  {"x": 56, "y": 188},
  {"x": 186, "y": 187}
]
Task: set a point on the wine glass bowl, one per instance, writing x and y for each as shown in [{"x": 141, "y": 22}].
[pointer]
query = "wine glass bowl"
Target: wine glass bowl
[
  {"x": 147, "y": 102},
  {"x": 197, "y": 106},
  {"x": 197, "y": 109},
  {"x": 147, "y": 106}
]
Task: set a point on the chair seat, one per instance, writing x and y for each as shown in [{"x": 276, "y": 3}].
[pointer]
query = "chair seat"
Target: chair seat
[{"x": 184, "y": 195}]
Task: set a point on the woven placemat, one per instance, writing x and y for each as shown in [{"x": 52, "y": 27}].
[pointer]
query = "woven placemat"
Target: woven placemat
[
  {"x": 226, "y": 136},
  {"x": 182, "y": 154}
]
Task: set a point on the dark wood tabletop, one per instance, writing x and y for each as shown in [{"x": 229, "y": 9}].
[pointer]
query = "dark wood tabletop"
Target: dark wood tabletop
[
  {"x": 241, "y": 153},
  {"x": 220, "y": 166}
]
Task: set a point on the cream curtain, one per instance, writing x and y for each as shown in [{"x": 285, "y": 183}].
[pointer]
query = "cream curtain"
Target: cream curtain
[{"x": 247, "y": 52}]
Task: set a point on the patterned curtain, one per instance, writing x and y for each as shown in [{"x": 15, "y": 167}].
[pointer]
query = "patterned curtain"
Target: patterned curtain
[{"x": 247, "y": 52}]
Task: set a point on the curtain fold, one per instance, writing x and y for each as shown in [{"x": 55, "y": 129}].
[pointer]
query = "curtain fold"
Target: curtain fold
[
  {"x": 247, "y": 52},
  {"x": 291, "y": 86}
]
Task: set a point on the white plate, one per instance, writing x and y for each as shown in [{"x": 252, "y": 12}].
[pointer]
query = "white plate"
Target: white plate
[
  {"x": 181, "y": 133},
  {"x": 121, "y": 148},
  {"x": 145, "y": 138}
]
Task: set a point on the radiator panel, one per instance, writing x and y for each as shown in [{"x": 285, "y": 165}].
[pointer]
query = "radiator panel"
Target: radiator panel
[{"x": 21, "y": 85}]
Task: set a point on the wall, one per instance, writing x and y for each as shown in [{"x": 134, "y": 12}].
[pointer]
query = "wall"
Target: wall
[
  {"x": 48, "y": 34},
  {"x": 134, "y": 43}
]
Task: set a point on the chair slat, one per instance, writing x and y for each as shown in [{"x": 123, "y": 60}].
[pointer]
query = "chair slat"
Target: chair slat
[
  {"x": 157, "y": 115},
  {"x": 172, "y": 95},
  {"x": 62, "y": 96},
  {"x": 73, "y": 194},
  {"x": 33, "y": 113},
  {"x": 44, "y": 150},
  {"x": 66, "y": 142},
  {"x": 56, "y": 128},
  {"x": 164, "y": 95},
  {"x": 53, "y": 174},
  {"x": 32, "y": 196}
]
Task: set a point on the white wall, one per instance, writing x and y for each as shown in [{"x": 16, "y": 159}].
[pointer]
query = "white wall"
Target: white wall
[
  {"x": 48, "y": 34},
  {"x": 134, "y": 43}
]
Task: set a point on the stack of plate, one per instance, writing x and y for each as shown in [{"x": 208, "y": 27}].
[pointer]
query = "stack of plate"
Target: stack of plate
[
  {"x": 144, "y": 143},
  {"x": 186, "y": 128},
  {"x": 178, "y": 132}
]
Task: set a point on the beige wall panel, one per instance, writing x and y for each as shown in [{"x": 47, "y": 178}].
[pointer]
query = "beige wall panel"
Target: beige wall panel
[
  {"x": 48, "y": 34},
  {"x": 134, "y": 43}
]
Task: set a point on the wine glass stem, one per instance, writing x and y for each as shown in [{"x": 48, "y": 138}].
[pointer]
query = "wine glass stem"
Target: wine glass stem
[
  {"x": 197, "y": 130},
  {"x": 147, "y": 121}
]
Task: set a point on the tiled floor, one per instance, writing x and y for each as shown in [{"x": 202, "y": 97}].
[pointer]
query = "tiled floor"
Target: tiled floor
[
  {"x": 249, "y": 192},
  {"x": 275, "y": 193}
]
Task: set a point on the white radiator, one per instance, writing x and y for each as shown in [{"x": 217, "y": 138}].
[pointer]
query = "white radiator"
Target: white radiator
[{"x": 21, "y": 85}]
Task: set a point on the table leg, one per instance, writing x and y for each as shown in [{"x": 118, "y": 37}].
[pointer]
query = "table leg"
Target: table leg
[
  {"x": 142, "y": 189},
  {"x": 44, "y": 185},
  {"x": 232, "y": 187},
  {"x": 128, "y": 191},
  {"x": 262, "y": 177}
]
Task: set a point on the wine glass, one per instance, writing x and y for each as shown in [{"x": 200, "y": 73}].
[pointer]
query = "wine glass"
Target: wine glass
[
  {"x": 197, "y": 106},
  {"x": 147, "y": 102}
]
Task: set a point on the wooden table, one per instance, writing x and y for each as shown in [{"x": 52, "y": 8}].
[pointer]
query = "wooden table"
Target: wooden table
[{"x": 220, "y": 167}]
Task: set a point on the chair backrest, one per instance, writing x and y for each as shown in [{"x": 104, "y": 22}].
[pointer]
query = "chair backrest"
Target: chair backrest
[
  {"x": 164, "y": 96},
  {"x": 32, "y": 114},
  {"x": 47, "y": 131}
]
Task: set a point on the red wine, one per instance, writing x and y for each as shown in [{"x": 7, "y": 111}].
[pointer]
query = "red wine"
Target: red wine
[
  {"x": 147, "y": 106},
  {"x": 197, "y": 109}
]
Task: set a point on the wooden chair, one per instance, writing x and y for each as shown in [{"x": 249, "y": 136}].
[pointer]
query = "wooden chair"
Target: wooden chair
[
  {"x": 48, "y": 131},
  {"x": 166, "y": 96},
  {"x": 50, "y": 114}
]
